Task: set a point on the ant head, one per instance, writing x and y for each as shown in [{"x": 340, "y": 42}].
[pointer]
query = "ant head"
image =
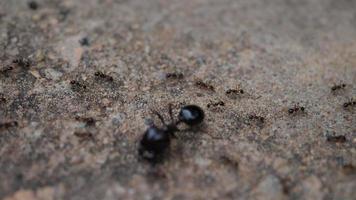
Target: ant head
[{"x": 191, "y": 115}]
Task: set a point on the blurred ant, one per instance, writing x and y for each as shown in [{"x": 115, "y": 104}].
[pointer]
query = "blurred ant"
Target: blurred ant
[
  {"x": 351, "y": 102},
  {"x": 76, "y": 85},
  {"x": 2, "y": 98},
  {"x": 5, "y": 71},
  {"x": 156, "y": 141},
  {"x": 6, "y": 125},
  {"x": 84, "y": 41},
  {"x": 22, "y": 62},
  {"x": 338, "y": 87},
  {"x": 255, "y": 117},
  {"x": 296, "y": 109},
  {"x": 33, "y": 5},
  {"x": 204, "y": 85},
  {"x": 215, "y": 104},
  {"x": 89, "y": 121},
  {"x": 234, "y": 91},
  {"x": 100, "y": 74},
  {"x": 84, "y": 136},
  {"x": 174, "y": 75},
  {"x": 336, "y": 139}
]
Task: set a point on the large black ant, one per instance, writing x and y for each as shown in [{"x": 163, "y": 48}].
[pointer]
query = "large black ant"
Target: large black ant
[{"x": 156, "y": 141}]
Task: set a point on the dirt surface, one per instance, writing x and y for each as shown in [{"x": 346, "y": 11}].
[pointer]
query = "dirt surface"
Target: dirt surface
[{"x": 78, "y": 80}]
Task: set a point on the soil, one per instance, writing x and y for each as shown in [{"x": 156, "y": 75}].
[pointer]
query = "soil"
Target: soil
[{"x": 78, "y": 81}]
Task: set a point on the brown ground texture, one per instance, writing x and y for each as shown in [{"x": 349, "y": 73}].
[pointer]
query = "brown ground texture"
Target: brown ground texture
[{"x": 78, "y": 80}]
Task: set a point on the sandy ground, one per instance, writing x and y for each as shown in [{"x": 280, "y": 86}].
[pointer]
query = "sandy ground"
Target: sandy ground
[{"x": 78, "y": 80}]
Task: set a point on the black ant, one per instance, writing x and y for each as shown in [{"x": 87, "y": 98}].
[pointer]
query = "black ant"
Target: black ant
[
  {"x": 2, "y": 98},
  {"x": 204, "y": 85},
  {"x": 89, "y": 121},
  {"x": 215, "y": 104},
  {"x": 22, "y": 62},
  {"x": 76, "y": 85},
  {"x": 6, "y": 125},
  {"x": 6, "y": 70},
  {"x": 336, "y": 139},
  {"x": 296, "y": 109},
  {"x": 84, "y": 136},
  {"x": 156, "y": 141},
  {"x": 255, "y": 117},
  {"x": 351, "y": 102},
  {"x": 234, "y": 91},
  {"x": 174, "y": 75},
  {"x": 100, "y": 74},
  {"x": 33, "y": 5},
  {"x": 338, "y": 87},
  {"x": 84, "y": 41}
]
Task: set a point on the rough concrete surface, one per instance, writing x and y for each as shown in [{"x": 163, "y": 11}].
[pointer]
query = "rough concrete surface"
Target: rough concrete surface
[{"x": 79, "y": 77}]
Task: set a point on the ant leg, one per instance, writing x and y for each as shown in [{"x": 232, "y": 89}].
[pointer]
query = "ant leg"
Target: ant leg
[{"x": 159, "y": 116}]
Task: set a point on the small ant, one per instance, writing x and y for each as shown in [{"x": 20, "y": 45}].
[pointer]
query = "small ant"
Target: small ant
[
  {"x": 296, "y": 109},
  {"x": 104, "y": 76},
  {"x": 349, "y": 168},
  {"x": 156, "y": 141},
  {"x": 234, "y": 91},
  {"x": 338, "y": 87},
  {"x": 255, "y": 117},
  {"x": 336, "y": 139},
  {"x": 22, "y": 62},
  {"x": 33, "y": 5},
  {"x": 76, "y": 85},
  {"x": 6, "y": 125},
  {"x": 174, "y": 75},
  {"x": 88, "y": 120},
  {"x": 203, "y": 85},
  {"x": 6, "y": 70},
  {"x": 2, "y": 98},
  {"x": 219, "y": 103},
  {"x": 84, "y": 41},
  {"x": 351, "y": 102},
  {"x": 84, "y": 136}
]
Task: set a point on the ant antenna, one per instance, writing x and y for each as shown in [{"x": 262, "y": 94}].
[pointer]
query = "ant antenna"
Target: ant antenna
[{"x": 159, "y": 116}]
